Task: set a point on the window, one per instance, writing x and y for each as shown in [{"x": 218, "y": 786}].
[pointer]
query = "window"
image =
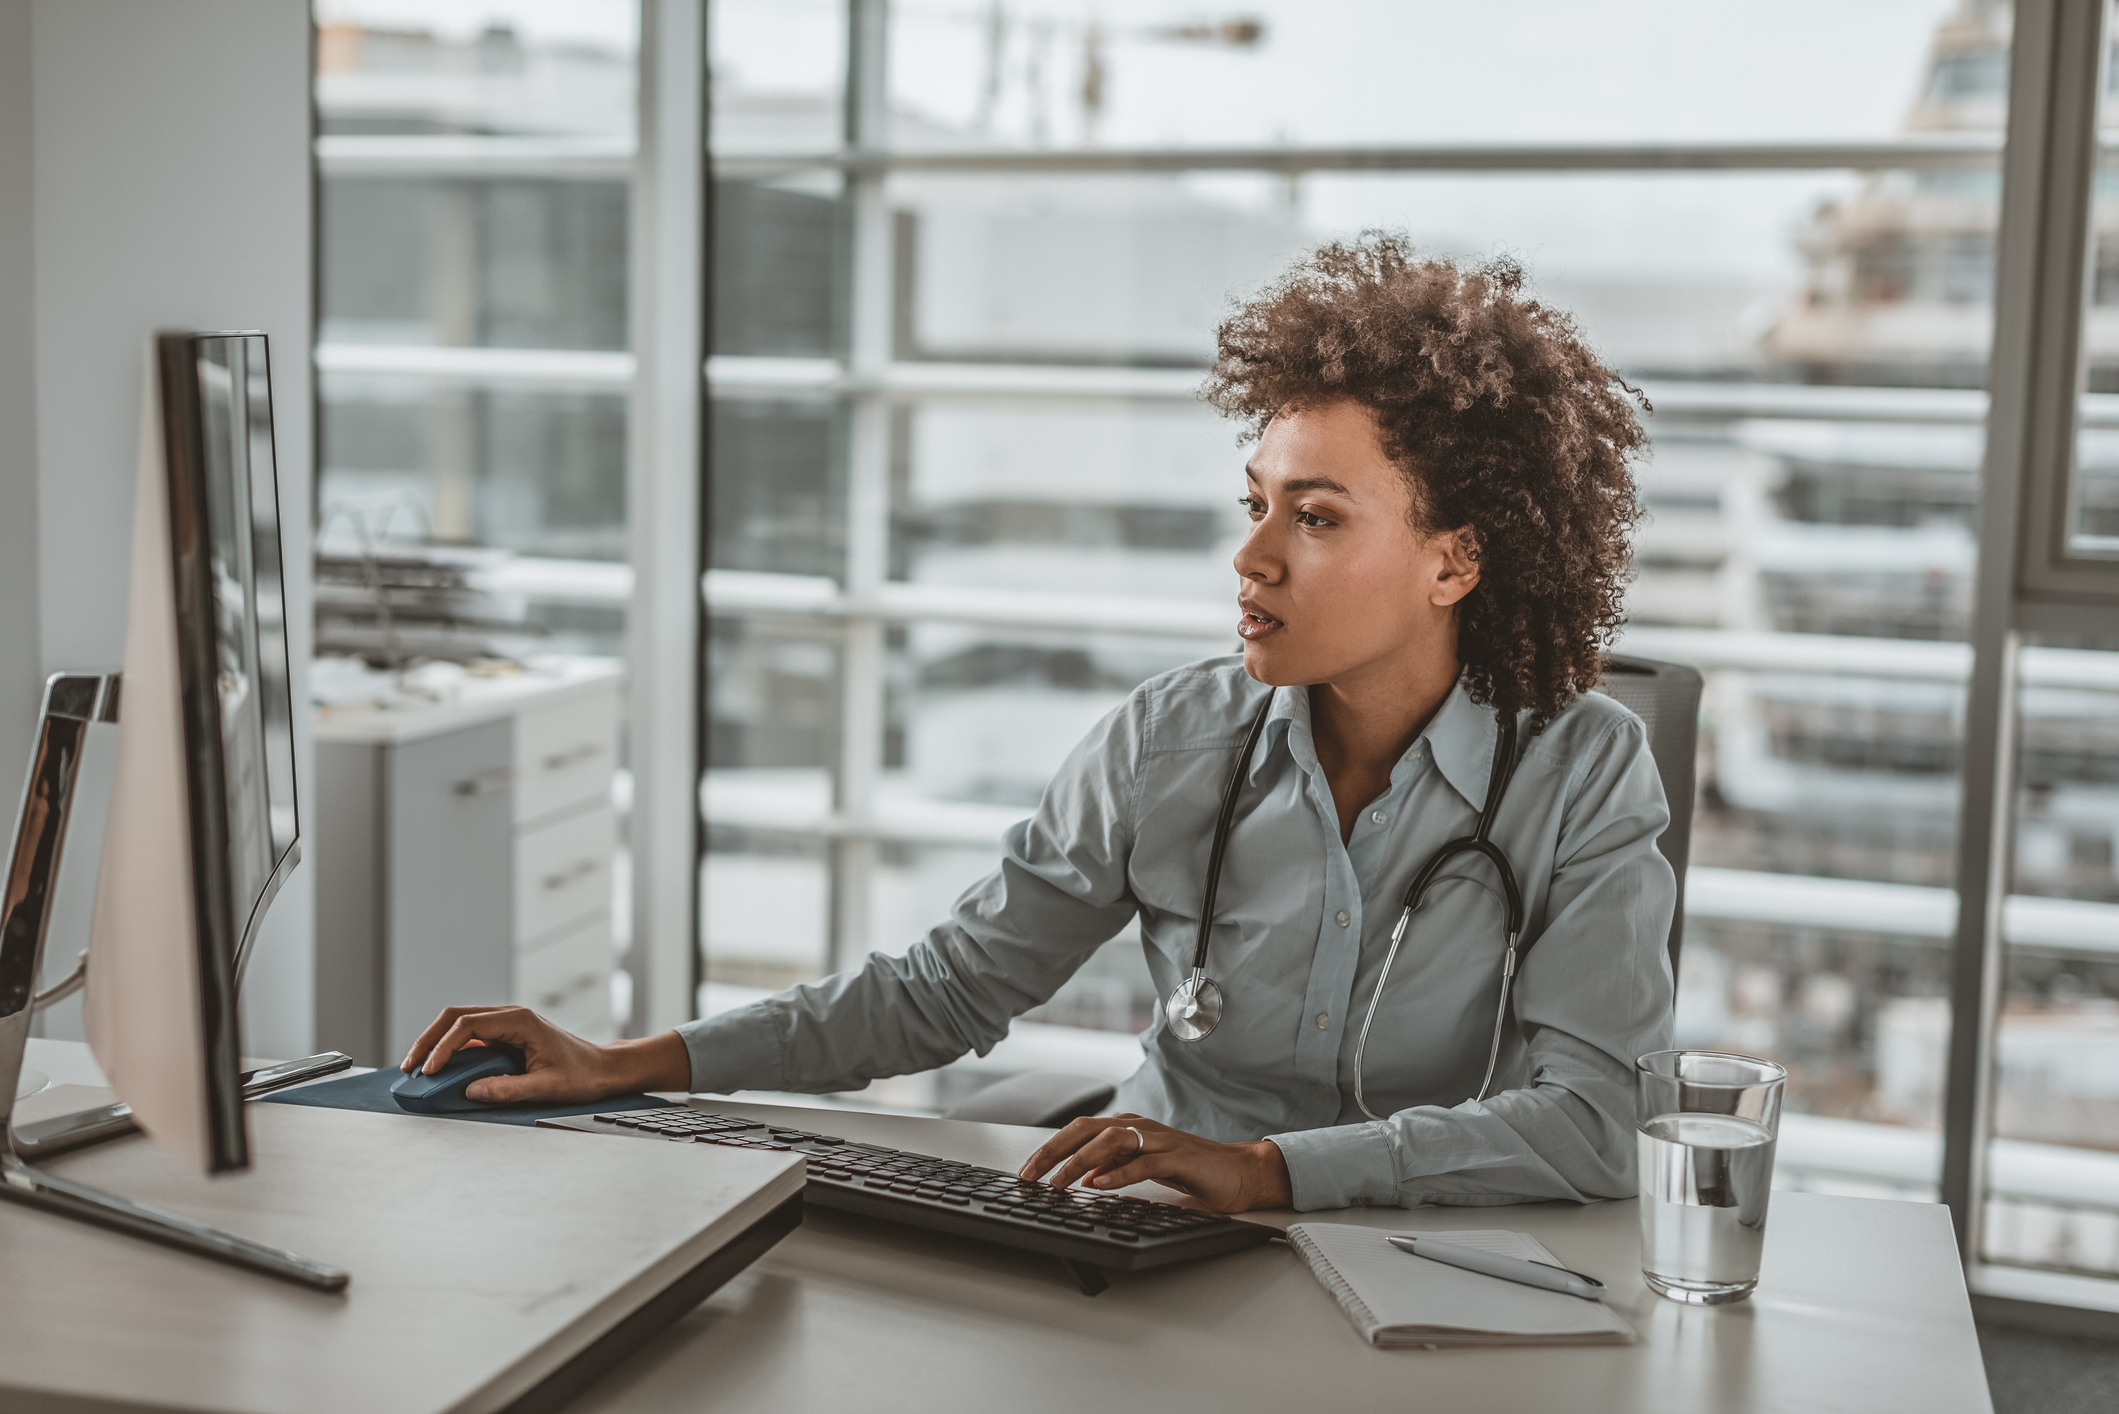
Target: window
[
  {"x": 966, "y": 498},
  {"x": 474, "y": 163},
  {"x": 2052, "y": 1201},
  {"x": 472, "y": 347},
  {"x": 2034, "y": 1139}
]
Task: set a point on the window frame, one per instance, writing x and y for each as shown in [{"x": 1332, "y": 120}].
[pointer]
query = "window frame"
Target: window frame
[{"x": 2023, "y": 583}]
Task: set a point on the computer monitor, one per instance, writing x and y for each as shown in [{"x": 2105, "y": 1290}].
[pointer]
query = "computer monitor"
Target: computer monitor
[
  {"x": 202, "y": 829},
  {"x": 202, "y": 825}
]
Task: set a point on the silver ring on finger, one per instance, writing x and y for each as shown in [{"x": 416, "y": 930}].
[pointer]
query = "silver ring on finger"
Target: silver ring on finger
[{"x": 1140, "y": 1142}]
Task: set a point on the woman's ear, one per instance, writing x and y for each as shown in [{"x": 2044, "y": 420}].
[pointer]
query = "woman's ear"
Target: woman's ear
[{"x": 1457, "y": 573}]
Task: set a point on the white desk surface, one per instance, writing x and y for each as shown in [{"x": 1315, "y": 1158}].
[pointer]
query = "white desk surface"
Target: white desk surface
[
  {"x": 483, "y": 1257},
  {"x": 1861, "y": 1307}
]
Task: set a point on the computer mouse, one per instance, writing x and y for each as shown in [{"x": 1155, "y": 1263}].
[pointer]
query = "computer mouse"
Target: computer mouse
[{"x": 443, "y": 1092}]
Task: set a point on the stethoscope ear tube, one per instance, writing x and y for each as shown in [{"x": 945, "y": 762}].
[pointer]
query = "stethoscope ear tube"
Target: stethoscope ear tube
[{"x": 1221, "y": 834}]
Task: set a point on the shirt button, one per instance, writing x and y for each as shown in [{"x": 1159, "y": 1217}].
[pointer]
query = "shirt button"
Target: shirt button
[
  {"x": 1324, "y": 1021},
  {"x": 1378, "y": 816},
  {"x": 1344, "y": 917}
]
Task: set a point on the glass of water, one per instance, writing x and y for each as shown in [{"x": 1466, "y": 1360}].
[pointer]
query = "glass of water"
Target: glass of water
[{"x": 1708, "y": 1122}]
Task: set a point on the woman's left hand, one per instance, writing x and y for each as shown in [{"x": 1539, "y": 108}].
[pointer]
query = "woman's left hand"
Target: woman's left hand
[{"x": 1103, "y": 1153}]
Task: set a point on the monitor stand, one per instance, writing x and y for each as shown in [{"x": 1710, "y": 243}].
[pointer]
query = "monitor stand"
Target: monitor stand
[{"x": 71, "y": 702}]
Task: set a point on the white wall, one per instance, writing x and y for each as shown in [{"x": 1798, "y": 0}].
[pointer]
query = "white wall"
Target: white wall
[
  {"x": 19, "y": 659},
  {"x": 171, "y": 189}
]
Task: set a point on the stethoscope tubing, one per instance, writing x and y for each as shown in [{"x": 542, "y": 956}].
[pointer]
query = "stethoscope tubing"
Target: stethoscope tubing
[{"x": 1479, "y": 843}]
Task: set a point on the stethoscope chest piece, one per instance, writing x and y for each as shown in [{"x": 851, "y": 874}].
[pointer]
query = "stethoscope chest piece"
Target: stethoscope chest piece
[{"x": 1194, "y": 1009}]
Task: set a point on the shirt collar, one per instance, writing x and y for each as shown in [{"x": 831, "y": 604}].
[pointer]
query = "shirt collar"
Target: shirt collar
[
  {"x": 1460, "y": 737},
  {"x": 1287, "y": 723}
]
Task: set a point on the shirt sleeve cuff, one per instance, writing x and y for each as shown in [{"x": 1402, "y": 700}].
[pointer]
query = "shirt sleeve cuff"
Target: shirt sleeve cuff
[
  {"x": 1345, "y": 1166},
  {"x": 737, "y": 1050}
]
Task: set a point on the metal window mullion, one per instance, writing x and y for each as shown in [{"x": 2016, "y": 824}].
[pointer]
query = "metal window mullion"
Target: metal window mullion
[
  {"x": 664, "y": 513},
  {"x": 2054, "y": 59},
  {"x": 869, "y": 348},
  {"x": 2057, "y": 579}
]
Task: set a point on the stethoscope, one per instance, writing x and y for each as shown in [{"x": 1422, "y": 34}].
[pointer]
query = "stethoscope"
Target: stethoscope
[{"x": 1195, "y": 1007}]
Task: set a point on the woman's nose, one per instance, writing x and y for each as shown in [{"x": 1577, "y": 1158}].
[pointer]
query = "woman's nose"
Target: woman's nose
[{"x": 1255, "y": 557}]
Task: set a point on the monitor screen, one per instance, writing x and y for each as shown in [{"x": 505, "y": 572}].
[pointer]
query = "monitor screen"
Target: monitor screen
[{"x": 240, "y": 495}]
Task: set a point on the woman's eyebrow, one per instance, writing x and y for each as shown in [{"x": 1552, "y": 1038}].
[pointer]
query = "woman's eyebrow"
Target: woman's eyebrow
[{"x": 1306, "y": 483}]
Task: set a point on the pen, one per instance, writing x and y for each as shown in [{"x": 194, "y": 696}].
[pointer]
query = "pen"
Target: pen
[{"x": 1493, "y": 1264}]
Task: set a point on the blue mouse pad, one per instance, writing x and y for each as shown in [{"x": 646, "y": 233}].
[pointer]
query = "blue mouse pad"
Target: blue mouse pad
[{"x": 372, "y": 1092}]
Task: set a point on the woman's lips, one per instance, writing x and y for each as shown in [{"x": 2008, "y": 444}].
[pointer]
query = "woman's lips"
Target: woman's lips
[{"x": 1254, "y": 626}]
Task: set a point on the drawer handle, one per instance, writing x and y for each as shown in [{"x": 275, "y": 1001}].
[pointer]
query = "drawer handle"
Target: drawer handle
[
  {"x": 487, "y": 782},
  {"x": 573, "y": 756},
  {"x": 574, "y": 873},
  {"x": 570, "y": 990}
]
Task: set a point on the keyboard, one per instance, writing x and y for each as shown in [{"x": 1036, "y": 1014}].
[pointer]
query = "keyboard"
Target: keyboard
[{"x": 1109, "y": 1231}]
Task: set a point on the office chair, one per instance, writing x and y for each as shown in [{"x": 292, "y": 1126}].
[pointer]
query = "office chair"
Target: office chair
[{"x": 1665, "y": 696}]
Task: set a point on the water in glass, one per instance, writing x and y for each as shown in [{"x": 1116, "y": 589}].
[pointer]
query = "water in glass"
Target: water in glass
[{"x": 1705, "y": 1179}]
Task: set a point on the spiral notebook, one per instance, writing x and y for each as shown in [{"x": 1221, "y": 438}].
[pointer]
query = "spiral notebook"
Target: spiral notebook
[{"x": 1398, "y": 1301}]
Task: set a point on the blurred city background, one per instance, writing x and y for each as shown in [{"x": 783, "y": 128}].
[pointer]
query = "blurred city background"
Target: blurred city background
[{"x": 963, "y": 497}]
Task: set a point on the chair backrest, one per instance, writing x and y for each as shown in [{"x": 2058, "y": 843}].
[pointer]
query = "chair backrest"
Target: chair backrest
[{"x": 1666, "y": 697}]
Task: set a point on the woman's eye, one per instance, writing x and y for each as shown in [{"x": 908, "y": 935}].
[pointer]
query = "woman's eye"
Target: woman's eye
[
  {"x": 1309, "y": 520},
  {"x": 1251, "y": 506}
]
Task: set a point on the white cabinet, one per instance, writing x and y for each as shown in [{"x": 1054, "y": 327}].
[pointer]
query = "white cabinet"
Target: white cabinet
[{"x": 464, "y": 854}]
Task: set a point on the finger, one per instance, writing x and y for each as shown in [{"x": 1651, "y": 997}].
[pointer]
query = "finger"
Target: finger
[
  {"x": 499, "y": 1024},
  {"x": 1060, "y": 1145},
  {"x": 549, "y": 1084},
  {"x": 1129, "y": 1169},
  {"x": 1171, "y": 1168},
  {"x": 436, "y": 1029},
  {"x": 1053, "y": 1150},
  {"x": 1115, "y": 1145},
  {"x": 432, "y": 1035}
]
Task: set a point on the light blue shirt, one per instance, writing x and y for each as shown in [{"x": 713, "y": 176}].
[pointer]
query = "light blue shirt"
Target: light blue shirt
[{"x": 1301, "y": 927}]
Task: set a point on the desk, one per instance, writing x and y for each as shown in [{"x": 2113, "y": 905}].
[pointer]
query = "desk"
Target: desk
[
  {"x": 1861, "y": 1306},
  {"x": 485, "y": 1259}
]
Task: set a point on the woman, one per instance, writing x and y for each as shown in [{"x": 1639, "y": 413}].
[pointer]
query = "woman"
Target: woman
[{"x": 1439, "y": 504}]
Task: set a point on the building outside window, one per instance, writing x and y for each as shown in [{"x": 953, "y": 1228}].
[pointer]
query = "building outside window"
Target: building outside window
[{"x": 475, "y": 162}]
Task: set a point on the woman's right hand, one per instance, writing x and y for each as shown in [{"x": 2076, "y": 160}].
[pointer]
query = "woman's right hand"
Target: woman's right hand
[{"x": 558, "y": 1066}]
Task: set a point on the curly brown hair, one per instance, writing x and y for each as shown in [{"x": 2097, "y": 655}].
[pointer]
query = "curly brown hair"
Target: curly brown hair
[{"x": 1503, "y": 421}]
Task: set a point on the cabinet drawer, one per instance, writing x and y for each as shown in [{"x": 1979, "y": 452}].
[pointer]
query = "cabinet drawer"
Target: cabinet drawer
[
  {"x": 568, "y": 977},
  {"x": 564, "y": 755},
  {"x": 449, "y": 848},
  {"x": 563, "y": 874}
]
